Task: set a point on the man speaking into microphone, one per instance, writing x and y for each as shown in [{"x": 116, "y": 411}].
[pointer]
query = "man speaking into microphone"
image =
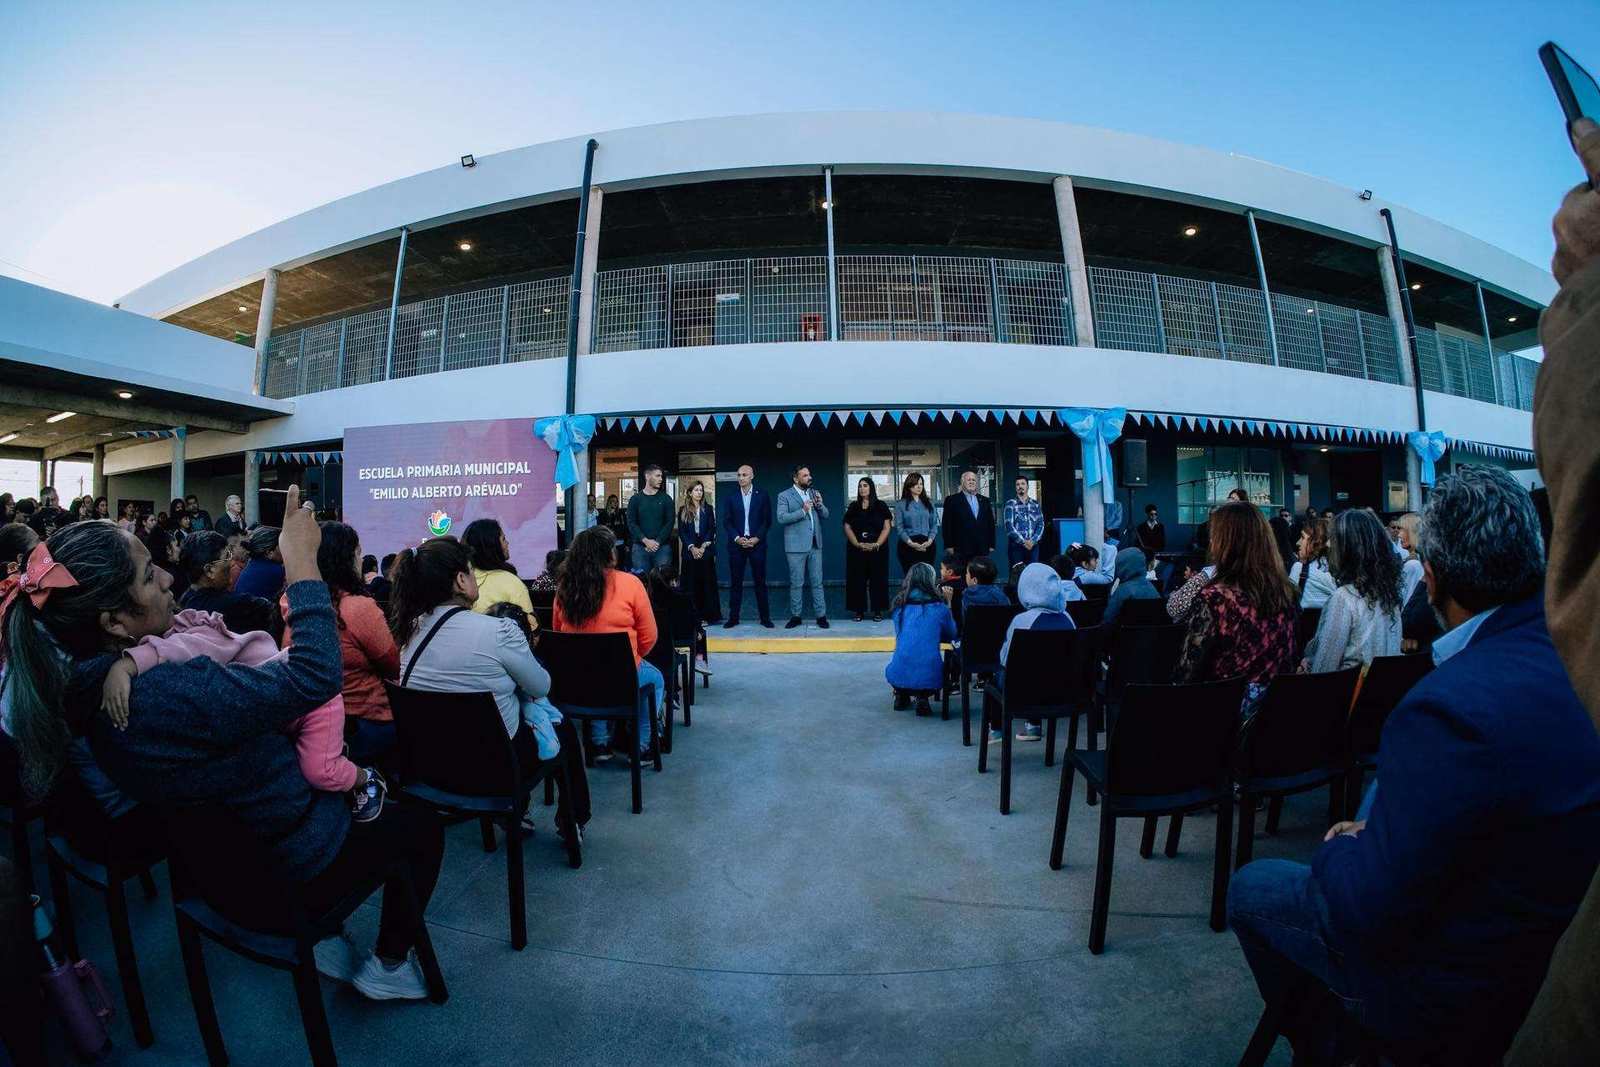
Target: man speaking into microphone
[{"x": 800, "y": 513}]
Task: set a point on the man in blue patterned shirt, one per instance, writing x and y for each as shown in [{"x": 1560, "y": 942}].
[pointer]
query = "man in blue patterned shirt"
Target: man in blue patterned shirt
[{"x": 1024, "y": 526}]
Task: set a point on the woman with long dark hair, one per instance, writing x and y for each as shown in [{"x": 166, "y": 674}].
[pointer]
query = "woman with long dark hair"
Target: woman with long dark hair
[
  {"x": 916, "y": 524},
  {"x": 1362, "y": 618},
  {"x": 922, "y": 621},
  {"x": 594, "y": 597},
  {"x": 447, "y": 648},
  {"x": 366, "y": 646},
  {"x": 491, "y": 567},
  {"x": 211, "y": 733},
  {"x": 697, "y": 562},
  {"x": 866, "y": 566},
  {"x": 1243, "y": 619}
]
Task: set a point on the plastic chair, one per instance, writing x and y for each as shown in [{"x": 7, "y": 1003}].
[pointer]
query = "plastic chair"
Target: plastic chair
[
  {"x": 594, "y": 676},
  {"x": 1049, "y": 676},
  {"x": 981, "y": 637},
  {"x": 455, "y": 757},
  {"x": 1086, "y": 612},
  {"x": 687, "y": 641},
  {"x": 227, "y": 886},
  {"x": 1151, "y": 612},
  {"x": 544, "y": 607},
  {"x": 1167, "y": 753},
  {"x": 19, "y": 811},
  {"x": 1137, "y": 655},
  {"x": 1387, "y": 681},
  {"x": 663, "y": 655},
  {"x": 1305, "y": 628}
]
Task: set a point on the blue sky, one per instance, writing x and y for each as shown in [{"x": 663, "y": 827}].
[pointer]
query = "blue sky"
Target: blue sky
[{"x": 134, "y": 137}]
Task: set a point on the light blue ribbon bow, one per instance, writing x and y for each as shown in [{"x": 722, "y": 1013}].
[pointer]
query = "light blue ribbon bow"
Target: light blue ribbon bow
[
  {"x": 1429, "y": 445},
  {"x": 1096, "y": 428},
  {"x": 567, "y": 435}
]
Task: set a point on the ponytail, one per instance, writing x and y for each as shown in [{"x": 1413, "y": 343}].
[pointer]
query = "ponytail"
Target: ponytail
[{"x": 424, "y": 578}]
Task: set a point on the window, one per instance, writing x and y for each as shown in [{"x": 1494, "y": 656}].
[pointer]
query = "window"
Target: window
[
  {"x": 1206, "y": 475},
  {"x": 940, "y": 463}
]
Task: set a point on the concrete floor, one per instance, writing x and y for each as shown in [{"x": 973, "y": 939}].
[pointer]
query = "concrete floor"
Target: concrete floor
[{"x": 816, "y": 879}]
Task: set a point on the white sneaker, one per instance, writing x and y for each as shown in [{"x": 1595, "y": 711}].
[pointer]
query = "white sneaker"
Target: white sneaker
[
  {"x": 376, "y": 980},
  {"x": 337, "y": 957}
]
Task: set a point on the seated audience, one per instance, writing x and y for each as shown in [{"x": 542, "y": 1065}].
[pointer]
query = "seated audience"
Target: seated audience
[
  {"x": 212, "y": 733},
  {"x": 1064, "y": 566},
  {"x": 379, "y": 586},
  {"x": 469, "y": 652},
  {"x": 491, "y": 567},
  {"x": 1405, "y": 528},
  {"x": 1242, "y": 624},
  {"x": 238, "y": 558},
  {"x": 1310, "y": 573},
  {"x": 1086, "y": 566},
  {"x": 366, "y": 646},
  {"x": 206, "y": 567},
  {"x": 1419, "y": 626},
  {"x": 952, "y": 581},
  {"x": 981, "y": 587},
  {"x": 546, "y": 581},
  {"x": 16, "y": 542},
  {"x": 922, "y": 622},
  {"x": 1044, "y": 607},
  {"x": 1362, "y": 618},
  {"x": 263, "y": 575},
  {"x": 594, "y": 597},
  {"x": 369, "y": 569},
  {"x": 1133, "y": 583},
  {"x": 1434, "y": 919}
]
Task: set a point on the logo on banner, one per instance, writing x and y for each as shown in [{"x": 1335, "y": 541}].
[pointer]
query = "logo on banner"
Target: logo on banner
[{"x": 439, "y": 523}]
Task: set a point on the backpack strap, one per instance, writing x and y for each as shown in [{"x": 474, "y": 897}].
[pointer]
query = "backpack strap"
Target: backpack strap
[{"x": 446, "y": 617}]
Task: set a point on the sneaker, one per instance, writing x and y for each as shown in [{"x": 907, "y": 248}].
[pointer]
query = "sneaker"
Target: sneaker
[
  {"x": 794, "y": 620},
  {"x": 369, "y": 802},
  {"x": 857, "y": 616},
  {"x": 565, "y": 830},
  {"x": 337, "y": 957},
  {"x": 996, "y": 737},
  {"x": 902, "y": 702},
  {"x": 877, "y": 616},
  {"x": 822, "y": 622},
  {"x": 377, "y": 980},
  {"x": 1030, "y": 733}
]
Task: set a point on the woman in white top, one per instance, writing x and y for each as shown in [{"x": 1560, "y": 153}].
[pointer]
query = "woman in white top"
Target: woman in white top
[
  {"x": 1310, "y": 572},
  {"x": 1362, "y": 618},
  {"x": 1410, "y": 566},
  {"x": 472, "y": 653}
]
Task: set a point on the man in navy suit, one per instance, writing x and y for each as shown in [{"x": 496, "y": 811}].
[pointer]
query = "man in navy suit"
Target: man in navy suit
[
  {"x": 746, "y": 516},
  {"x": 968, "y": 525}
]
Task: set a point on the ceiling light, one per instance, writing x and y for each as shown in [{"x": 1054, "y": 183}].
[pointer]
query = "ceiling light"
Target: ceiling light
[
  {"x": 1415, "y": 286},
  {"x": 1311, "y": 311},
  {"x": 827, "y": 204},
  {"x": 1324, "y": 448},
  {"x": 58, "y": 416},
  {"x": 465, "y": 246},
  {"x": 243, "y": 308},
  {"x": 547, "y": 311},
  {"x": 124, "y": 394},
  {"x": 9, "y": 437},
  {"x": 1513, "y": 318},
  {"x": 1190, "y": 231}
]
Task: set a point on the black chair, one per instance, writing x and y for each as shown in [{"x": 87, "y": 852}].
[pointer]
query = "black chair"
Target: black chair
[
  {"x": 1151, "y": 612},
  {"x": 454, "y": 756},
  {"x": 1166, "y": 754},
  {"x": 1086, "y": 612},
  {"x": 1388, "y": 680},
  {"x": 1295, "y": 742},
  {"x": 981, "y": 638},
  {"x": 1049, "y": 675},
  {"x": 688, "y": 640},
  {"x": 593, "y": 676},
  {"x": 1136, "y": 655},
  {"x": 103, "y": 853},
  {"x": 663, "y": 656},
  {"x": 544, "y": 602},
  {"x": 20, "y": 812},
  {"x": 1095, "y": 590},
  {"x": 228, "y": 887},
  {"x": 1305, "y": 628}
]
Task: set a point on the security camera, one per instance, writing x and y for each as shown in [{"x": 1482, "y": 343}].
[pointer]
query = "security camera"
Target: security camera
[{"x": 1366, "y": 194}]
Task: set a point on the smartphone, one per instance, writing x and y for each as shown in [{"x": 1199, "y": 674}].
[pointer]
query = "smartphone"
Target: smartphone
[{"x": 1574, "y": 86}]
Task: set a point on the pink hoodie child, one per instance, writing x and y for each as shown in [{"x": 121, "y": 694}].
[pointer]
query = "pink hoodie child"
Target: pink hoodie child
[{"x": 318, "y": 736}]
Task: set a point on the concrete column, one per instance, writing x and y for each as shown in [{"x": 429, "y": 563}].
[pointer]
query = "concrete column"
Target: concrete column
[
  {"x": 179, "y": 433},
  {"x": 1077, "y": 267},
  {"x": 269, "y": 305},
  {"x": 1397, "y": 314},
  {"x": 252, "y": 488},
  {"x": 1413, "y": 479},
  {"x": 97, "y": 480},
  {"x": 591, "y": 260},
  {"x": 44, "y": 474},
  {"x": 1094, "y": 515},
  {"x": 578, "y": 518}
]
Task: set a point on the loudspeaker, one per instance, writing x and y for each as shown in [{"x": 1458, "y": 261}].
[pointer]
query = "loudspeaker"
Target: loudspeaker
[{"x": 1135, "y": 463}]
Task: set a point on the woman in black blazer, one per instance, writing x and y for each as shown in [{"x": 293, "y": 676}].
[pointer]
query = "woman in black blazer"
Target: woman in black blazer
[{"x": 697, "y": 552}]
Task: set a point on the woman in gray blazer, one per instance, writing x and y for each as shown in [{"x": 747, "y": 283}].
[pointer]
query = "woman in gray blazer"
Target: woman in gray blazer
[{"x": 916, "y": 525}]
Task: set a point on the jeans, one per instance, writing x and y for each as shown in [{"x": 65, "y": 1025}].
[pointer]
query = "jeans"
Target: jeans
[
  {"x": 372, "y": 742},
  {"x": 645, "y": 560},
  {"x": 1016, "y": 554},
  {"x": 805, "y": 570},
  {"x": 600, "y": 729},
  {"x": 1281, "y": 920},
  {"x": 409, "y": 831}
]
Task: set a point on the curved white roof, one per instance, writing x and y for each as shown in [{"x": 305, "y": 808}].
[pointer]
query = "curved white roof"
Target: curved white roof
[{"x": 754, "y": 145}]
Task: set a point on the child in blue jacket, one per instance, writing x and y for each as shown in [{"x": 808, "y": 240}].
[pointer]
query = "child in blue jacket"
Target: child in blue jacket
[{"x": 921, "y": 623}]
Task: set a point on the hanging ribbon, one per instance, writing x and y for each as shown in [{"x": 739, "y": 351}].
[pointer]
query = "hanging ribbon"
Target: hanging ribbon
[
  {"x": 1429, "y": 447},
  {"x": 1096, "y": 428},
  {"x": 567, "y": 435}
]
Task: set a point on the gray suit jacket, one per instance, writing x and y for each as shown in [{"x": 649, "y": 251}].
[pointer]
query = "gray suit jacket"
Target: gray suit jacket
[{"x": 792, "y": 517}]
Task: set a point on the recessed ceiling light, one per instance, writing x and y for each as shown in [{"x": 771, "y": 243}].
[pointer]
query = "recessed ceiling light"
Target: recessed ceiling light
[
  {"x": 1311, "y": 311},
  {"x": 1190, "y": 231},
  {"x": 58, "y": 416},
  {"x": 1324, "y": 448},
  {"x": 1415, "y": 286},
  {"x": 1513, "y": 318},
  {"x": 124, "y": 394},
  {"x": 465, "y": 246},
  {"x": 547, "y": 311},
  {"x": 9, "y": 437},
  {"x": 243, "y": 308},
  {"x": 826, "y": 204}
]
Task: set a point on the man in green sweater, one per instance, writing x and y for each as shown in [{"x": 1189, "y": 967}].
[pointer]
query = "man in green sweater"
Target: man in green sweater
[{"x": 651, "y": 522}]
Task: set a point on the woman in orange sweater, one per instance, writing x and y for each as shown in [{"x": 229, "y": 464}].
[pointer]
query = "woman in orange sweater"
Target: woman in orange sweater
[
  {"x": 593, "y": 597},
  {"x": 370, "y": 654}
]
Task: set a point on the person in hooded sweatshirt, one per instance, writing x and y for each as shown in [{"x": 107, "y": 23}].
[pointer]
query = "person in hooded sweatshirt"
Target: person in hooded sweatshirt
[
  {"x": 922, "y": 621},
  {"x": 1044, "y": 607},
  {"x": 1133, "y": 583}
]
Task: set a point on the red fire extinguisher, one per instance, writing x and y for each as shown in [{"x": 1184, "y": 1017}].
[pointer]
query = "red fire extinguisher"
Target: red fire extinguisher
[{"x": 811, "y": 327}]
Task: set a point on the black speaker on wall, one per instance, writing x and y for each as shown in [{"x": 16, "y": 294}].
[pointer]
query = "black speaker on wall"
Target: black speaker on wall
[{"x": 1135, "y": 463}]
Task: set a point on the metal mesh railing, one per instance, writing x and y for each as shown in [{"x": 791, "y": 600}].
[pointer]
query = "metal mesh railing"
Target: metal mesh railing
[
  {"x": 1126, "y": 314},
  {"x": 1035, "y": 305},
  {"x": 1378, "y": 341},
  {"x": 1244, "y": 323},
  {"x": 536, "y": 320}
]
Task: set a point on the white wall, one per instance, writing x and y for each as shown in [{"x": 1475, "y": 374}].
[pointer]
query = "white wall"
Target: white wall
[{"x": 746, "y": 146}]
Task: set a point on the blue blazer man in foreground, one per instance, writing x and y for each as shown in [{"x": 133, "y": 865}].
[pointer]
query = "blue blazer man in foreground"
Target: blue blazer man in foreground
[
  {"x": 800, "y": 513},
  {"x": 747, "y": 516},
  {"x": 1434, "y": 918}
]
